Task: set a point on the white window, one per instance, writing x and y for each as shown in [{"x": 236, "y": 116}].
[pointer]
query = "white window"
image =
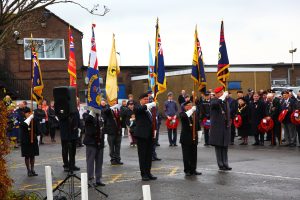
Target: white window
[
  {"x": 48, "y": 49},
  {"x": 279, "y": 81}
]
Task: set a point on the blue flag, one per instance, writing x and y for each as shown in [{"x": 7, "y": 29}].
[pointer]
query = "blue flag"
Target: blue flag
[
  {"x": 37, "y": 81},
  {"x": 151, "y": 80}
]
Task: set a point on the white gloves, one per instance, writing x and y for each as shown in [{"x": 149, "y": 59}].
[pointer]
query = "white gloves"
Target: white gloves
[
  {"x": 225, "y": 94},
  {"x": 191, "y": 111},
  {"x": 150, "y": 105},
  {"x": 117, "y": 106},
  {"x": 28, "y": 120}
]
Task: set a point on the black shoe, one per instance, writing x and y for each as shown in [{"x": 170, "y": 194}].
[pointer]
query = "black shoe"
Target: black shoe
[
  {"x": 222, "y": 168},
  {"x": 197, "y": 173},
  {"x": 188, "y": 174},
  {"x": 156, "y": 159},
  {"x": 157, "y": 144},
  {"x": 99, "y": 184},
  {"x": 119, "y": 163},
  {"x": 170, "y": 145},
  {"x": 151, "y": 177},
  {"x": 292, "y": 145},
  {"x": 145, "y": 178},
  {"x": 228, "y": 168},
  {"x": 75, "y": 168},
  {"x": 33, "y": 173},
  {"x": 175, "y": 145},
  {"x": 29, "y": 173},
  {"x": 255, "y": 144}
]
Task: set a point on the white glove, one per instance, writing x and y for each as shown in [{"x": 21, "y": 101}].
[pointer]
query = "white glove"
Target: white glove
[
  {"x": 79, "y": 132},
  {"x": 224, "y": 95},
  {"x": 28, "y": 120},
  {"x": 117, "y": 106},
  {"x": 150, "y": 105},
  {"x": 92, "y": 113},
  {"x": 191, "y": 111}
]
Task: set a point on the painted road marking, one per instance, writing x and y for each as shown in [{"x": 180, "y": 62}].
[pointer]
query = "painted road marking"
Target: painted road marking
[
  {"x": 173, "y": 171},
  {"x": 114, "y": 178}
]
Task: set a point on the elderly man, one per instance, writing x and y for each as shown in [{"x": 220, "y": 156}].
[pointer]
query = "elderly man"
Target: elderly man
[{"x": 220, "y": 127}]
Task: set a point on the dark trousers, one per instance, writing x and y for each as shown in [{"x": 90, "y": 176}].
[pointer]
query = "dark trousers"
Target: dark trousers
[
  {"x": 259, "y": 137},
  {"x": 68, "y": 153},
  {"x": 94, "y": 162},
  {"x": 157, "y": 133},
  {"x": 275, "y": 133},
  {"x": 145, "y": 155},
  {"x": 222, "y": 156},
  {"x": 172, "y": 134},
  {"x": 206, "y": 135},
  {"x": 298, "y": 132},
  {"x": 233, "y": 133},
  {"x": 189, "y": 154},
  {"x": 114, "y": 142},
  {"x": 52, "y": 133}
]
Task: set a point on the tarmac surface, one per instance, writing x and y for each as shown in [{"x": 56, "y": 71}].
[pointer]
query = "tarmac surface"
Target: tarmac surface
[{"x": 260, "y": 173}]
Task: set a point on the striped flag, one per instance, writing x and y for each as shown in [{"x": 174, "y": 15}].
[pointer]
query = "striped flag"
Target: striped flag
[
  {"x": 94, "y": 92},
  {"x": 198, "y": 73},
  {"x": 223, "y": 64},
  {"x": 72, "y": 61}
]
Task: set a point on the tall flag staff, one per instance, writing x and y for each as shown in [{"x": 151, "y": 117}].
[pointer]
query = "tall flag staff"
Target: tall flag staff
[
  {"x": 72, "y": 61},
  {"x": 198, "y": 74},
  {"x": 37, "y": 85},
  {"x": 94, "y": 92},
  {"x": 113, "y": 71},
  {"x": 223, "y": 63},
  {"x": 159, "y": 73}
]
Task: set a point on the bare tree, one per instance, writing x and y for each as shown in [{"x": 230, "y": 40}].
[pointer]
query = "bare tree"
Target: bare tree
[{"x": 14, "y": 12}]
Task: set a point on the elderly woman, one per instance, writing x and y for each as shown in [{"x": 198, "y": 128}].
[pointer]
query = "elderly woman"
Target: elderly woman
[{"x": 245, "y": 129}]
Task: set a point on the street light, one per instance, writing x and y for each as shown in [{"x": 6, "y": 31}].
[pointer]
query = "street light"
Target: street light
[{"x": 292, "y": 51}]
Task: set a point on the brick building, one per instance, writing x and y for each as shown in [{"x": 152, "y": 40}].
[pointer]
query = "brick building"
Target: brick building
[
  {"x": 283, "y": 73},
  {"x": 51, "y": 34}
]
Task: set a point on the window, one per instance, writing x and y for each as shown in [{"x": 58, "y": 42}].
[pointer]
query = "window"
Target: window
[
  {"x": 279, "y": 81},
  {"x": 50, "y": 49},
  {"x": 234, "y": 85}
]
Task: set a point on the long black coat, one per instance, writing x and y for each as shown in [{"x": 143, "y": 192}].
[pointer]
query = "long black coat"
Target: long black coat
[
  {"x": 93, "y": 133},
  {"x": 144, "y": 125},
  {"x": 273, "y": 110},
  {"x": 69, "y": 127},
  {"x": 29, "y": 149},
  {"x": 257, "y": 113},
  {"x": 52, "y": 121},
  {"x": 220, "y": 123},
  {"x": 186, "y": 136},
  {"x": 291, "y": 105},
  {"x": 245, "y": 128}
]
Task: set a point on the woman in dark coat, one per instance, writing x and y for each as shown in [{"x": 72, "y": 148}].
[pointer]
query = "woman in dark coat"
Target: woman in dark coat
[
  {"x": 245, "y": 129},
  {"x": 52, "y": 121},
  {"x": 29, "y": 149}
]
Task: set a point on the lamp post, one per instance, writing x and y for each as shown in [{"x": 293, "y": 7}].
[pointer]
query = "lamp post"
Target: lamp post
[{"x": 292, "y": 51}]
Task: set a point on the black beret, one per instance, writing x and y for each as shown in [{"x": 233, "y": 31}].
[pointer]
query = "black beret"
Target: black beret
[
  {"x": 207, "y": 93},
  {"x": 143, "y": 95}
]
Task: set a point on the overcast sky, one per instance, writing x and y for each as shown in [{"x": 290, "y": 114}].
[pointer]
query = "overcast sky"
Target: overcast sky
[{"x": 256, "y": 31}]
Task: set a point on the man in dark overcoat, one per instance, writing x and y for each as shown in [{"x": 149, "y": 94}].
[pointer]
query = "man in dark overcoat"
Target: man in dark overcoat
[
  {"x": 144, "y": 135},
  {"x": 220, "y": 127}
]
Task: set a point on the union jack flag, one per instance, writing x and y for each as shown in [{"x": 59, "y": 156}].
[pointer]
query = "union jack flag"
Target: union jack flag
[{"x": 93, "y": 62}]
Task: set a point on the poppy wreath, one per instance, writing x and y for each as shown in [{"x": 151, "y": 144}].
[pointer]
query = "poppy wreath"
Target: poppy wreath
[
  {"x": 205, "y": 123},
  {"x": 295, "y": 117},
  {"x": 237, "y": 122},
  {"x": 172, "y": 123},
  {"x": 260, "y": 129},
  {"x": 266, "y": 125},
  {"x": 282, "y": 115}
]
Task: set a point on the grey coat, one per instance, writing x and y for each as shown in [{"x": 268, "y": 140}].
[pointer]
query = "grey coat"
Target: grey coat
[{"x": 220, "y": 123}]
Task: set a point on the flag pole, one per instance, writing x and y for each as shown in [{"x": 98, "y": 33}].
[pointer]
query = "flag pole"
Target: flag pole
[
  {"x": 194, "y": 114},
  {"x": 31, "y": 90}
]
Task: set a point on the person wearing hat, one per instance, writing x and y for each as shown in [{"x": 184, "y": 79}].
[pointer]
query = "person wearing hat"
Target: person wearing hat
[
  {"x": 205, "y": 116},
  {"x": 220, "y": 127},
  {"x": 245, "y": 129},
  {"x": 170, "y": 108},
  {"x": 288, "y": 104},
  {"x": 29, "y": 149},
  {"x": 249, "y": 96},
  {"x": 188, "y": 144},
  {"x": 144, "y": 135}
]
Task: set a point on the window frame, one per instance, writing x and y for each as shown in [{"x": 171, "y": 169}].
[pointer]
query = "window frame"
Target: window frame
[
  {"x": 45, "y": 52},
  {"x": 279, "y": 79}
]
